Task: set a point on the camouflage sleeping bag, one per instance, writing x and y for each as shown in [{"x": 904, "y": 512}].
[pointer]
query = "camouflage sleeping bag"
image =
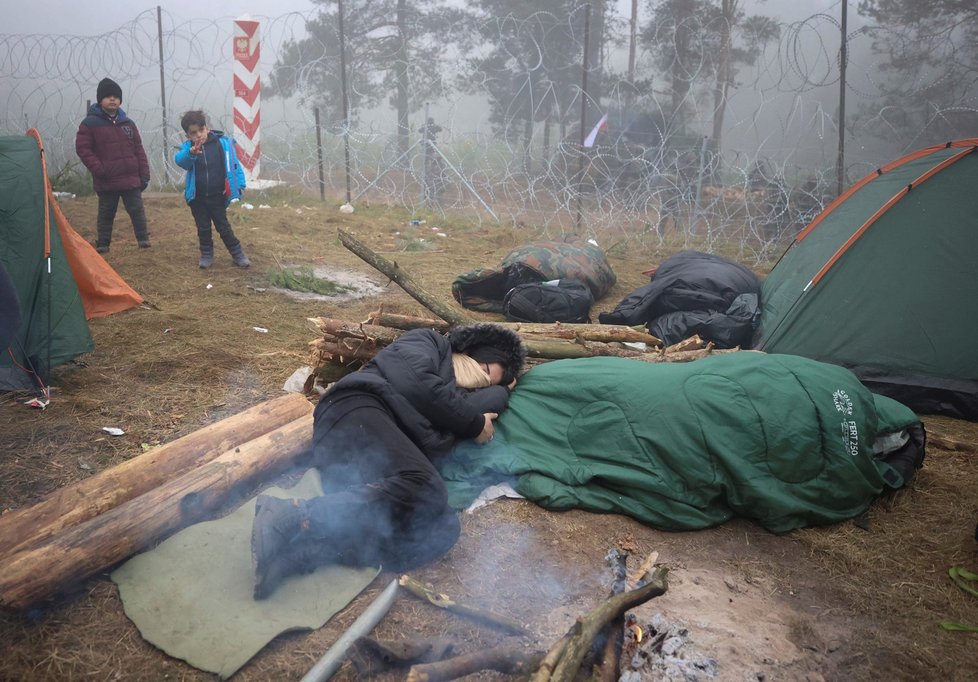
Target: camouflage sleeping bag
[
  {"x": 783, "y": 440},
  {"x": 569, "y": 258}
]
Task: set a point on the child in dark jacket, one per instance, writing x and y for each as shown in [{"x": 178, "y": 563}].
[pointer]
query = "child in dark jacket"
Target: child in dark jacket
[
  {"x": 109, "y": 145},
  {"x": 214, "y": 179}
]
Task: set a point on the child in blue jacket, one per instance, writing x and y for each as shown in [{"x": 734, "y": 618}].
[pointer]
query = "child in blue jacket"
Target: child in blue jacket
[{"x": 214, "y": 179}]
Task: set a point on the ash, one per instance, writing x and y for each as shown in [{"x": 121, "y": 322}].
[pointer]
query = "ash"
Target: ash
[{"x": 665, "y": 654}]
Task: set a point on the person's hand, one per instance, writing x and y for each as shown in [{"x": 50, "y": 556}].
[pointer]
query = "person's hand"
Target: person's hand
[
  {"x": 511, "y": 386},
  {"x": 144, "y": 185},
  {"x": 195, "y": 148},
  {"x": 487, "y": 430}
]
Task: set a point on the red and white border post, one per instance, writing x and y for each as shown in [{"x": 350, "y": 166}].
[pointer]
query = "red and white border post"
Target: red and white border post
[{"x": 247, "y": 97}]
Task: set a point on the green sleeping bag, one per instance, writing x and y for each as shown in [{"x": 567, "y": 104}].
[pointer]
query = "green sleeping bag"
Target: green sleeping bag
[{"x": 781, "y": 439}]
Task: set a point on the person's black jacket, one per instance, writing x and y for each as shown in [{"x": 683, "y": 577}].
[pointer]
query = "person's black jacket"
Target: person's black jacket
[{"x": 414, "y": 378}]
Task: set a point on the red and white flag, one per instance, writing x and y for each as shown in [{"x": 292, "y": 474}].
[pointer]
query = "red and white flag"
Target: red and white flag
[{"x": 593, "y": 135}]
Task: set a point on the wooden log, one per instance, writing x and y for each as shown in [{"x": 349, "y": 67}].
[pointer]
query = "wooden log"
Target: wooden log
[
  {"x": 111, "y": 487},
  {"x": 345, "y": 352},
  {"x": 538, "y": 349},
  {"x": 606, "y": 333},
  {"x": 607, "y": 667},
  {"x": 344, "y": 329},
  {"x": 692, "y": 343},
  {"x": 95, "y": 545},
  {"x": 586, "y": 628},
  {"x": 589, "y": 332},
  {"x": 443, "y": 601},
  {"x": 447, "y": 312},
  {"x": 406, "y": 322},
  {"x": 510, "y": 659}
]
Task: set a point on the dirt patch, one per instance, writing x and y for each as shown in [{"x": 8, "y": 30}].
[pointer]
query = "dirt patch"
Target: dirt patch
[{"x": 848, "y": 601}]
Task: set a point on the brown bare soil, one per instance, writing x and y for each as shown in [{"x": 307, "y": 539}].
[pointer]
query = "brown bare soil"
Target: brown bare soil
[{"x": 845, "y": 602}]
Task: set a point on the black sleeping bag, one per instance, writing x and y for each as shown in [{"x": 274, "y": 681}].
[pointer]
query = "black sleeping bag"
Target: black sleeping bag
[{"x": 694, "y": 293}]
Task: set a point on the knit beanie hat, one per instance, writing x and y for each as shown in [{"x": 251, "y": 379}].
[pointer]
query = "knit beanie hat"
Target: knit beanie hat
[{"x": 107, "y": 88}]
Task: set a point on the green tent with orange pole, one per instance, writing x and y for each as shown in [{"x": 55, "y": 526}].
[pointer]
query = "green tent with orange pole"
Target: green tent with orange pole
[
  {"x": 885, "y": 282},
  {"x": 58, "y": 278}
]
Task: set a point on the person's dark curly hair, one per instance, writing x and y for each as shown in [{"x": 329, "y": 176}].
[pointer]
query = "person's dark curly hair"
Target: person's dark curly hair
[{"x": 477, "y": 339}]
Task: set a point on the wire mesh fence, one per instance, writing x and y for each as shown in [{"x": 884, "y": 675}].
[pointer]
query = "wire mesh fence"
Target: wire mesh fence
[{"x": 486, "y": 115}]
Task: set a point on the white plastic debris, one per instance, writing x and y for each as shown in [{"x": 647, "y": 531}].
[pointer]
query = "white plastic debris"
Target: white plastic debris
[
  {"x": 63, "y": 195},
  {"x": 346, "y": 208},
  {"x": 247, "y": 206},
  {"x": 492, "y": 493},
  {"x": 263, "y": 206},
  {"x": 38, "y": 403},
  {"x": 260, "y": 330},
  {"x": 209, "y": 286},
  {"x": 168, "y": 330},
  {"x": 297, "y": 382},
  {"x": 441, "y": 234},
  {"x": 591, "y": 241},
  {"x": 113, "y": 431}
]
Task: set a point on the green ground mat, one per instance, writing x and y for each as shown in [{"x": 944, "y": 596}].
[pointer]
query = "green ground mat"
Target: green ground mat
[{"x": 191, "y": 596}]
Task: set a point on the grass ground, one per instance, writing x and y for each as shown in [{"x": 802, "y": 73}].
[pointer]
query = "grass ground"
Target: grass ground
[{"x": 191, "y": 355}]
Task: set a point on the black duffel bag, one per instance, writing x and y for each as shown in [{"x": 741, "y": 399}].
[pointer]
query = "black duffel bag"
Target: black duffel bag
[{"x": 563, "y": 300}]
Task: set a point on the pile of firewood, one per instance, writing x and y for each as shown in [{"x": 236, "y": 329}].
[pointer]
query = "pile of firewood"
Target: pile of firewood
[{"x": 346, "y": 345}]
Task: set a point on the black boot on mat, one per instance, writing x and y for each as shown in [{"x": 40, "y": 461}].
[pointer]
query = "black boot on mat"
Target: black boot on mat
[
  {"x": 277, "y": 524},
  {"x": 300, "y": 557}
]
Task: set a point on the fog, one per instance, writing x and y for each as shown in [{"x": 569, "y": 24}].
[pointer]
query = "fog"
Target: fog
[
  {"x": 84, "y": 18},
  {"x": 781, "y": 111},
  {"x": 89, "y": 19}
]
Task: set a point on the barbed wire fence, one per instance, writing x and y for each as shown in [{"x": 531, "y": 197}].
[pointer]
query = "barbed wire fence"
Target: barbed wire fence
[{"x": 638, "y": 185}]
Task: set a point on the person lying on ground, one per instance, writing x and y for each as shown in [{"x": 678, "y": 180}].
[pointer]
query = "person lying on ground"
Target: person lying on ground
[{"x": 375, "y": 434}]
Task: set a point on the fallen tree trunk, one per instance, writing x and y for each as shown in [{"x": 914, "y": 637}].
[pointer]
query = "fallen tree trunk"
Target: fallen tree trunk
[
  {"x": 79, "y": 502},
  {"x": 393, "y": 271},
  {"x": 87, "y": 548}
]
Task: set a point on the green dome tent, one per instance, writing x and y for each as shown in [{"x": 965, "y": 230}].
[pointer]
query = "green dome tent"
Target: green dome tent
[{"x": 885, "y": 282}]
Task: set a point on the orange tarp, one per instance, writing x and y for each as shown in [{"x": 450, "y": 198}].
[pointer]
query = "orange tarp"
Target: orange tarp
[{"x": 103, "y": 291}]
